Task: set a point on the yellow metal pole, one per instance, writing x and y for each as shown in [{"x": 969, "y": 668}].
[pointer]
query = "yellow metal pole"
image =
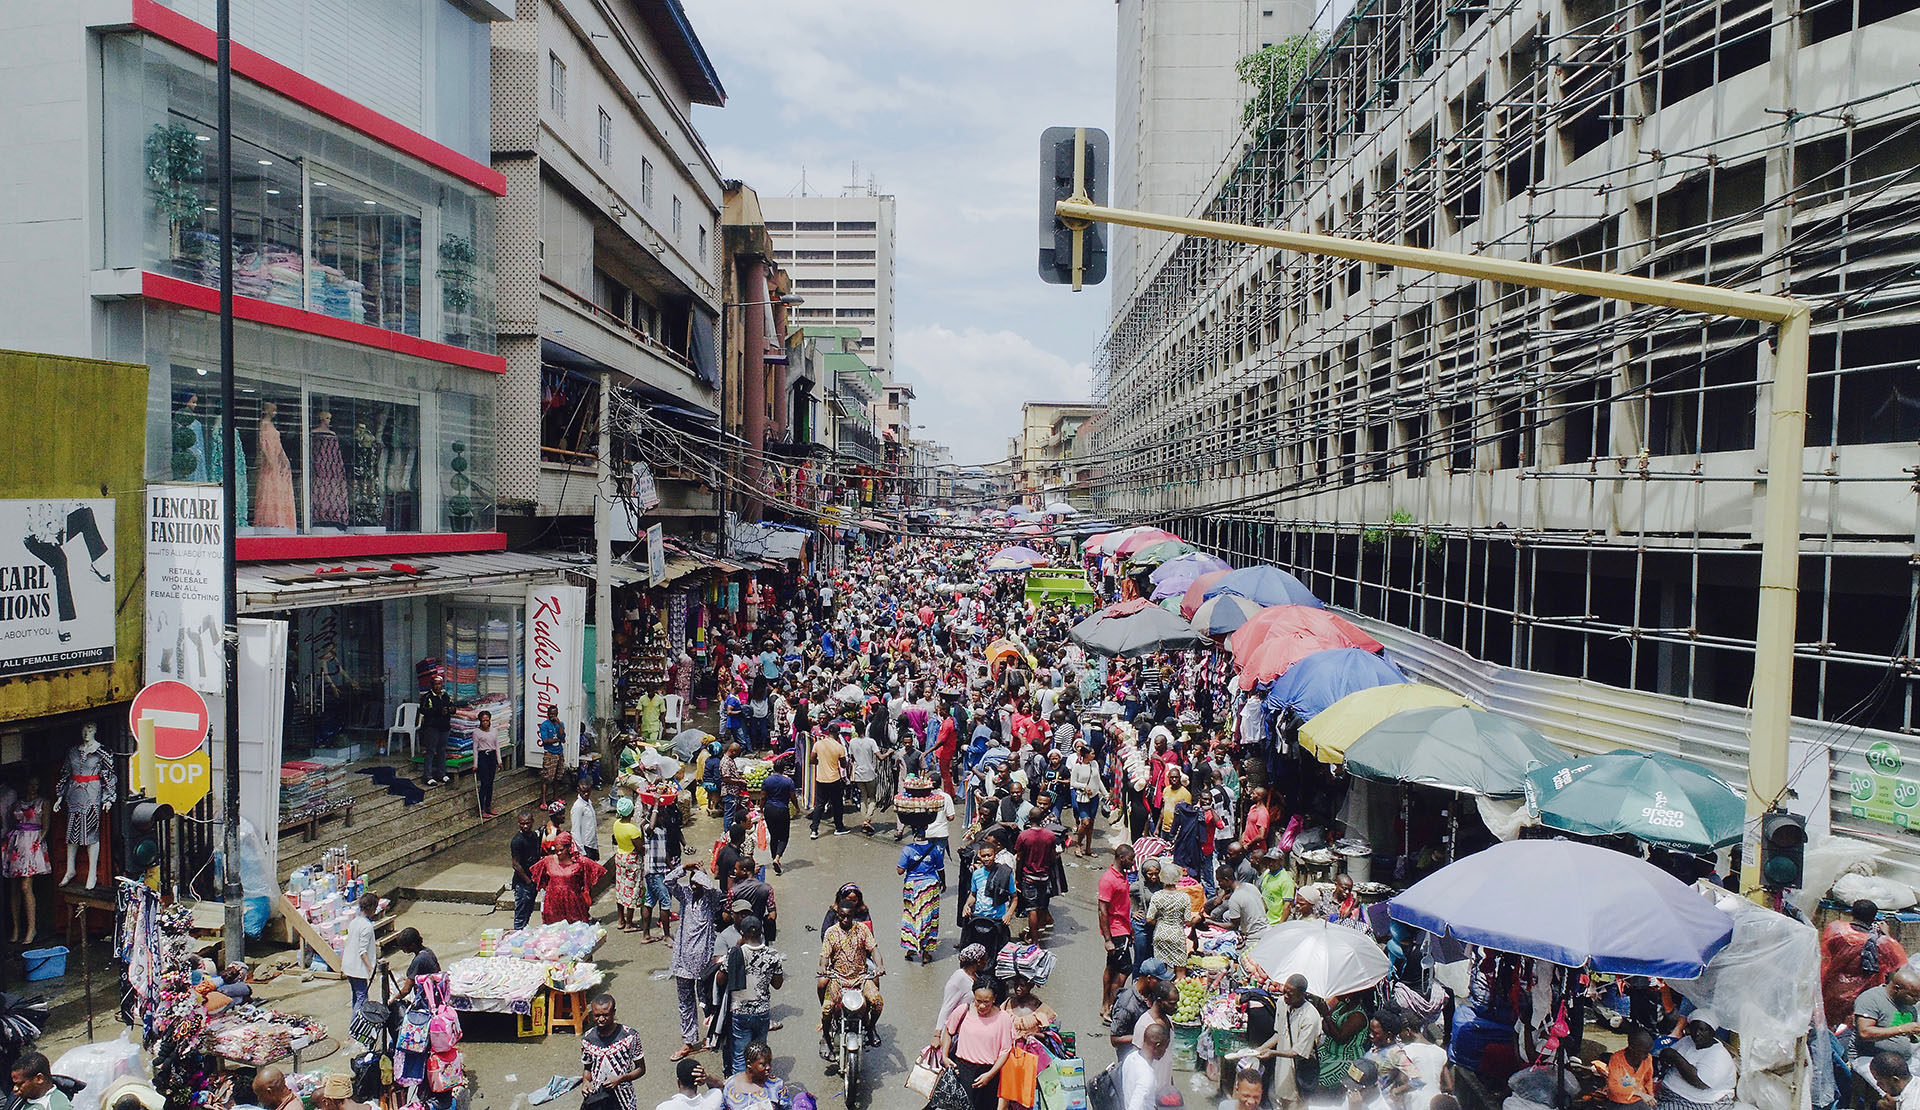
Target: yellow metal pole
[{"x": 1786, "y": 438}]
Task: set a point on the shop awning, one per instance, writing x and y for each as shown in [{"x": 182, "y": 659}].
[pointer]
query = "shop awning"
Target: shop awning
[
  {"x": 266, "y": 587},
  {"x": 769, "y": 541},
  {"x": 625, "y": 573}
]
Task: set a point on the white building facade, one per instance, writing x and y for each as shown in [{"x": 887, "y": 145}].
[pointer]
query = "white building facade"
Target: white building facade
[{"x": 840, "y": 252}]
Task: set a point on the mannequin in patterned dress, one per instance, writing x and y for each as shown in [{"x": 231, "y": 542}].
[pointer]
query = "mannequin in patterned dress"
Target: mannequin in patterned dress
[
  {"x": 86, "y": 791},
  {"x": 25, "y": 857}
]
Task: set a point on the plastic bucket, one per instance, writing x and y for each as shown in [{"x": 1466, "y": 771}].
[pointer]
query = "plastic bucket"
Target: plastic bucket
[
  {"x": 1360, "y": 868},
  {"x": 1184, "y": 1045},
  {"x": 45, "y": 963}
]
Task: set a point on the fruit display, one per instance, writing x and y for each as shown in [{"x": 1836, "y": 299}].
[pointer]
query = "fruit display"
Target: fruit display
[
  {"x": 1193, "y": 995},
  {"x": 756, "y": 775}
]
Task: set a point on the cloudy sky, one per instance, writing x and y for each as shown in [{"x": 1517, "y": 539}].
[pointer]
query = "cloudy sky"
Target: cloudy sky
[{"x": 943, "y": 105}]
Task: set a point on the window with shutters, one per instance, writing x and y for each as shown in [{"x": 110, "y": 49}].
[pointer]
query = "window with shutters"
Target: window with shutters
[
  {"x": 606, "y": 137},
  {"x": 557, "y": 85},
  {"x": 646, "y": 183},
  {"x": 677, "y": 221}
]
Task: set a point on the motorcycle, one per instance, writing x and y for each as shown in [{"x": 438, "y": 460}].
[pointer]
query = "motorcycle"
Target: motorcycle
[{"x": 846, "y": 1033}]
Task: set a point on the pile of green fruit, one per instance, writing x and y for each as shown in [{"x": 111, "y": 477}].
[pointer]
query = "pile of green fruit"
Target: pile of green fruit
[
  {"x": 755, "y": 776},
  {"x": 1192, "y": 994}
]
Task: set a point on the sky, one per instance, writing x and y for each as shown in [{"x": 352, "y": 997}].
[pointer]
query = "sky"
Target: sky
[{"x": 942, "y": 104}]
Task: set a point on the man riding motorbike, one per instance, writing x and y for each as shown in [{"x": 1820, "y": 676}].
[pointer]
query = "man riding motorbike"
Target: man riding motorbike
[{"x": 845, "y": 951}]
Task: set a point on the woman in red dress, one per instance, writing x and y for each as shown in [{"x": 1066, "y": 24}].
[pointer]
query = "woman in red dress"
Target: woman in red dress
[{"x": 568, "y": 879}]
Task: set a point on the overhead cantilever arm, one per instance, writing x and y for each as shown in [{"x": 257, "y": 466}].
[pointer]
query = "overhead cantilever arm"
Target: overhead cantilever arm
[{"x": 1786, "y": 439}]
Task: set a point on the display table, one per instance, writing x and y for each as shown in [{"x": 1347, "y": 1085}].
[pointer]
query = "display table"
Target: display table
[
  {"x": 508, "y": 984},
  {"x": 255, "y": 1036}
]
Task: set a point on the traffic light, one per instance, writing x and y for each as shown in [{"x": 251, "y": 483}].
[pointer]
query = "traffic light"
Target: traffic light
[
  {"x": 1783, "y": 849},
  {"x": 1063, "y": 177},
  {"x": 141, "y": 835}
]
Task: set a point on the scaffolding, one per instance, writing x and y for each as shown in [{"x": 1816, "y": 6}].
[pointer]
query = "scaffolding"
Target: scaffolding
[{"x": 1544, "y": 479}]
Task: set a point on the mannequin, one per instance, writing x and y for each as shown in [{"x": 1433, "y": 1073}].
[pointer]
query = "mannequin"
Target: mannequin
[
  {"x": 329, "y": 477},
  {"x": 26, "y": 855},
  {"x": 273, "y": 477},
  {"x": 86, "y": 789}
]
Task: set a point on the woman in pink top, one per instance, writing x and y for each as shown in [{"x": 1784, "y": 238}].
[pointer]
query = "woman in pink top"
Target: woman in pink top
[{"x": 977, "y": 1039}]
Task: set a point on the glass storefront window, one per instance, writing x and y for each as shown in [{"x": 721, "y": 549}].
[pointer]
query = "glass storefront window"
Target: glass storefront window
[
  {"x": 333, "y": 438},
  {"x": 324, "y": 219}
]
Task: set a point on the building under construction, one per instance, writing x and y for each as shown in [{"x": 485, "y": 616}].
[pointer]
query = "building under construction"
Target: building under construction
[{"x": 1548, "y": 482}]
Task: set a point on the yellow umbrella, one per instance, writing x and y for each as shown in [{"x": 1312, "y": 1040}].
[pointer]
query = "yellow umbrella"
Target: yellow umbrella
[{"x": 1340, "y": 724}]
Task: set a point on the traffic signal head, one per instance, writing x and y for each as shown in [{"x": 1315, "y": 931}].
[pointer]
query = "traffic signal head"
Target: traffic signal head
[
  {"x": 143, "y": 834},
  {"x": 1073, "y": 166},
  {"x": 1783, "y": 849}
]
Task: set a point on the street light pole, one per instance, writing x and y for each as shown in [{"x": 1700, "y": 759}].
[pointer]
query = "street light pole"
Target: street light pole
[{"x": 233, "y": 932}]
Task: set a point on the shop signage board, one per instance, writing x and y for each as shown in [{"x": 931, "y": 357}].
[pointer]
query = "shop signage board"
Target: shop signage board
[
  {"x": 556, "y": 656},
  {"x": 1883, "y": 792},
  {"x": 57, "y": 595},
  {"x": 184, "y": 546},
  {"x": 656, "y": 555}
]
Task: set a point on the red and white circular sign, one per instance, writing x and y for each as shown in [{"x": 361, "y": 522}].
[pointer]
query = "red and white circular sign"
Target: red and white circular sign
[{"x": 179, "y": 716}]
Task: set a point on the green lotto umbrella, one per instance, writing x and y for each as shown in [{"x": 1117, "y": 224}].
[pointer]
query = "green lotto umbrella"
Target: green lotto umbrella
[
  {"x": 1462, "y": 749},
  {"x": 1657, "y": 798}
]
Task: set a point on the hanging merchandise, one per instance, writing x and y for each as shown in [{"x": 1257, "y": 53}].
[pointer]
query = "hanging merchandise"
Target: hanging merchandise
[{"x": 328, "y": 475}]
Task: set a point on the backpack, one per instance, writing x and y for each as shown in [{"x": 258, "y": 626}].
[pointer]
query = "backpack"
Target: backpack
[
  {"x": 445, "y": 1071},
  {"x": 443, "y": 1027},
  {"x": 1103, "y": 1090},
  {"x": 413, "y": 1032}
]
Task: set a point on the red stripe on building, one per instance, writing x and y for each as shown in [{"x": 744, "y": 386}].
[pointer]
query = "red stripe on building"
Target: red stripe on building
[{"x": 293, "y": 549}]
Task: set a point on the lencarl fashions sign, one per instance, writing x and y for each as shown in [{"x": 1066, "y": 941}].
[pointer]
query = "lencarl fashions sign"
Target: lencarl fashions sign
[
  {"x": 57, "y": 595},
  {"x": 184, "y": 586}
]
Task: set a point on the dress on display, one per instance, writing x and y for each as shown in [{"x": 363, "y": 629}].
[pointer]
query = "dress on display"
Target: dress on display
[
  {"x": 329, "y": 479},
  {"x": 86, "y": 782},
  {"x": 273, "y": 482},
  {"x": 568, "y": 888},
  {"x": 26, "y": 853}
]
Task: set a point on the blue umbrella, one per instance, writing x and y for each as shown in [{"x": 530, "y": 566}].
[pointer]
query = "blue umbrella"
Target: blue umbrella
[
  {"x": 1571, "y": 904},
  {"x": 1266, "y": 585},
  {"x": 1325, "y": 677}
]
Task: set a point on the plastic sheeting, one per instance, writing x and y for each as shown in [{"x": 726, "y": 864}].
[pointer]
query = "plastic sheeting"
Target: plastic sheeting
[{"x": 1763, "y": 985}]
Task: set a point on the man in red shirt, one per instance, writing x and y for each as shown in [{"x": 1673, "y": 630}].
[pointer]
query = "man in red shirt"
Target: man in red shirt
[
  {"x": 1034, "y": 850},
  {"x": 1116, "y": 925}
]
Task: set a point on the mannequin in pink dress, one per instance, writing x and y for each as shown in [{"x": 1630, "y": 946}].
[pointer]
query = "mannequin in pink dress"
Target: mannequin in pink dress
[{"x": 273, "y": 478}]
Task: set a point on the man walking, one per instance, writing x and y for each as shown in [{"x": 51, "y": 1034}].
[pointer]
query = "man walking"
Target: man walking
[
  {"x": 1036, "y": 848},
  {"x": 1139, "y": 1085},
  {"x": 699, "y": 899},
  {"x": 436, "y": 718},
  {"x": 1116, "y": 925},
  {"x": 584, "y": 823},
  {"x": 754, "y": 971},
  {"x": 829, "y": 778},
  {"x": 610, "y": 1060},
  {"x": 525, "y": 851}
]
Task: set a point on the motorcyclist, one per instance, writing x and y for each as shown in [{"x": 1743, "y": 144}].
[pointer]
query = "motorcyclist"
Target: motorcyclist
[{"x": 846, "y": 949}]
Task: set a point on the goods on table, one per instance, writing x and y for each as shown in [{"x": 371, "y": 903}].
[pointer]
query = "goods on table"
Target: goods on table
[
  {"x": 574, "y": 978},
  {"x": 327, "y": 893},
  {"x": 1223, "y": 1012},
  {"x": 259, "y": 1035},
  {"x": 755, "y": 771},
  {"x": 551, "y": 943},
  {"x": 1193, "y": 994},
  {"x": 309, "y": 787},
  {"x": 502, "y": 978}
]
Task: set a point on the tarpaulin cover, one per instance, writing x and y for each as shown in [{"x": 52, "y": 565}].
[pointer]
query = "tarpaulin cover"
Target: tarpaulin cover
[
  {"x": 1763, "y": 986},
  {"x": 1570, "y": 904}
]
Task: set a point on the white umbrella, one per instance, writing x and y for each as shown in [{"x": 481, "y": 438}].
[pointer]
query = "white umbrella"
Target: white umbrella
[
  {"x": 1335, "y": 959},
  {"x": 1060, "y": 508}
]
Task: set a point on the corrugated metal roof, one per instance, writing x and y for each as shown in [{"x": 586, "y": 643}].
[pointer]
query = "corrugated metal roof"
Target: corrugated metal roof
[{"x": 265, "y": 587}]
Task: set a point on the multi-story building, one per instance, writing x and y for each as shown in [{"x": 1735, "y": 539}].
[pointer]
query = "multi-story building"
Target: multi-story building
[
  {"x": 839, "y": 251},
  {"x": 1560, "y": 487},
  {"x": 853, "y": 391},
  {"x": 1177, "y": 108},
  {"x": 609, "y": 241},
  {"x": 1043, "y": 471},
  {"x": 754, "y": 356}
]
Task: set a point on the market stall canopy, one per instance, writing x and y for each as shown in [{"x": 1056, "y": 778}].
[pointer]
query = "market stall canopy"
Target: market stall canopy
[
  {"x": 1335, "y": 959},
  {"x": 1060, "y": 508},
  {"x": 1140, "y": 538},
  {"x": 1328, "y": 734},
  {"x": 1293, "y": 620},
  {"x": 1021, "y": 554},
  {"x": 1658, "y": 798},
  {"x": 1133, "y": 627},
  {"x": 1196, "y": 594},
  {"x": 1324, "y": 677},
  {"x": 1462, "y": 749},
  {"x": 1221, "y": 615},
  {"x": 1289, "y": 642},
  {"x": 1571, "y": 904},
  {"x": 1172, "y": 577},
  {"x": 1104, "y": 542},
  {"x": 1266, "y": 585},
  {"x": 1156, "y": 553},
  {"x": 1000, "y": 650},
  {"x": 873, "y": 525}
]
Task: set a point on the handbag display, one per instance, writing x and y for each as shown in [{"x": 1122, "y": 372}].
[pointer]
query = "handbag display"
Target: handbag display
[
  {"x": 413, "y": 1032},
  {"x": 369, "y": 1021},
  {"x": 1019, "y": 1076},
  {"x": 925, "y": 1073},
  {"x": 443, "y": 1026},
  {"x": 446, "y": 1071}
]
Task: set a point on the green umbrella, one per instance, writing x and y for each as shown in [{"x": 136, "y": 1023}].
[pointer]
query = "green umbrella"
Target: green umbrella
[
  {"x": 1658, "y": 798},
  {"x": 1157, "y": 552},
  {"x": 1466, "y": 750}
]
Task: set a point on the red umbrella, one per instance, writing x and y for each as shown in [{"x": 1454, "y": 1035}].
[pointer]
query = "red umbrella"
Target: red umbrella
[
  {"x": 1295, "y": 621},
  {"x": 1288, "y": 642},
  {"x": 1141, "y": 539},
  {"x": 1092, "y": 546},
  {"x": 1197, "y": 593}
]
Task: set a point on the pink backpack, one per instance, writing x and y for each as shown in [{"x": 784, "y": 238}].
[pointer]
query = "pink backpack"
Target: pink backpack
[
  {"x": 445, "y": 1072},
  {"x": 443, "y": 1027}
]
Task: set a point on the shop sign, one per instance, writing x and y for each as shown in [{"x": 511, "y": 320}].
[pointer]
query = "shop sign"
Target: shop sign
[
  {"x": 656, "y": 554},
  {"x": 57, "y": 597},
  {"x": 646, "y": 492},
  {"x": 556, "y": 654},
  {"x": 1881, "y": 793},
  {"x": 184, "y": 584}
]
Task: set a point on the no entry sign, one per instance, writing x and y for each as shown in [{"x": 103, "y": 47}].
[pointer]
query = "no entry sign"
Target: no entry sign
[{"x": 179, "y": 716}]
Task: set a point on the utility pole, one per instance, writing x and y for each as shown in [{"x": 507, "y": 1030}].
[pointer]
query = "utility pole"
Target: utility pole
[
  {"x": 233, "y": 932},
  {"x": 604, "y": 501}
]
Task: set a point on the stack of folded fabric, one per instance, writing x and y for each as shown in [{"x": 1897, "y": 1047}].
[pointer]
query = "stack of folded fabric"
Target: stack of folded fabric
[{"x": 305, "y": 787}]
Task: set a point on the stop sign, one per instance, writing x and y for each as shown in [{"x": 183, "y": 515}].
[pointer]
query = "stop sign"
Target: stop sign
[{"x": 179, "y": 716}]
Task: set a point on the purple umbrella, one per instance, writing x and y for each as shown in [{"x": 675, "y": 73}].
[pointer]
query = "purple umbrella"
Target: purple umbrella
[{"x": 1172, "y": 577}]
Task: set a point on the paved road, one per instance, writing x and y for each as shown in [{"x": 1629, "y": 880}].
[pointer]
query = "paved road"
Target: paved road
[{"x": 814, "y": 869}]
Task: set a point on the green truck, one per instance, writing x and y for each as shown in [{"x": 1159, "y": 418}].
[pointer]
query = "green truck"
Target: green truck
[{"x": 1048, "y": 586}]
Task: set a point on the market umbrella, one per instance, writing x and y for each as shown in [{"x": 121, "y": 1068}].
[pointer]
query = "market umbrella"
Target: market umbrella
[
  {"x": 1156, "y": 553},
  {"x": 873, "y": 525},
  {"x": 1139, "y": 539},
  {"x": 1289, "y": 642},
  {"x": 1324, "y": 677},
  {"x": 1060, "y": 508},
  {"x": 1328, "y": 733},
  {"x": 1020, "y": 553},
  {"x": 1197, "y": 592},
  {"x": 1655, "y": 797},
  {"x": 1335, "y": 959},
  {"x": 688, "y": 741},
  {"x": 1571, "y": 904},
  {"x": 1171, "y": 578},
  {"x": 1000, "y": 649},
  {"x": 1291, "y": 620},
  {"x": 1218, "y": 616},
  {"x": 1133, "y": 627},
  {"x": 1458, "y": 748},
  {"x": 1266, "y": 585},
  {"x": 1171, "y": 605},
  {"x": 1105, "y": 542},
  {"x": 664, "y": 766}
]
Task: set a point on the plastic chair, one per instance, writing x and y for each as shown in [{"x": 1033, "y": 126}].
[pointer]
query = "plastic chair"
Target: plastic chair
[
  {"x": 671, "y": 718},
  {"x": 406, "y": 722}
]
